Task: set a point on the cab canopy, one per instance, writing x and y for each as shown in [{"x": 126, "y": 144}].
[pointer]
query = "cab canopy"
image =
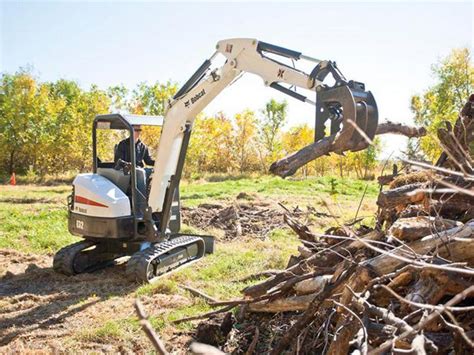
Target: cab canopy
[{"x": 126, "y": 121}]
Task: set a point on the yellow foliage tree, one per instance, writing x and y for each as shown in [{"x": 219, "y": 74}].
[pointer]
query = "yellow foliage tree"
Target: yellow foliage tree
[
  {"x": 211, "y": 145},
  {"x": 245, "y": 141}
]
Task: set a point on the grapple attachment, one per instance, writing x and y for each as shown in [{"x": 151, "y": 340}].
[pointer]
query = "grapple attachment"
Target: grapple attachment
[{"x": 351, "y": 110}]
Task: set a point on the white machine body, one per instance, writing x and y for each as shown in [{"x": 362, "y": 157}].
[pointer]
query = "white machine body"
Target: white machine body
[{"x": 97, "y": 196}]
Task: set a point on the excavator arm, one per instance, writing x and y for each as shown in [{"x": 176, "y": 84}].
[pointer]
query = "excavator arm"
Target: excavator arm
[{"x": 343, "y": 103}]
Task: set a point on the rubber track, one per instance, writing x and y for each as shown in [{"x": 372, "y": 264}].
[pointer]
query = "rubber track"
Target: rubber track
[
  {"x": 64, "y": 258},
  {"x": 137, "y": 265}
]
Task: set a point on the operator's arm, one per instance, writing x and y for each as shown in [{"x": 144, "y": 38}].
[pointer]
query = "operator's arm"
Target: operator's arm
[{"x": 147, "y": 157}]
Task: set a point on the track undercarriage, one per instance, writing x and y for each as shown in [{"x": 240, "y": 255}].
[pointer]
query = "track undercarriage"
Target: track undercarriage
[{"x": 146, "y": 263}]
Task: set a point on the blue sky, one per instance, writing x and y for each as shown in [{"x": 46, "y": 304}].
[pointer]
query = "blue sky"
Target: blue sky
[{"x": 389, "y": 46}]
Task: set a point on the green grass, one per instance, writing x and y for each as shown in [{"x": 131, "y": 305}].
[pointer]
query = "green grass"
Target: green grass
[
  {"x": 34, "y": 218},
  {"x": 217, "y": 275},
  {"x": 111, "y": 330},
  {"x": 40, "y": 228},
  {"x": 194, "y": 193}
]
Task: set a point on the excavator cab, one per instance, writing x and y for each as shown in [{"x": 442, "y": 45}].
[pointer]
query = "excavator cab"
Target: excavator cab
[{"x": 110, "y": 210}]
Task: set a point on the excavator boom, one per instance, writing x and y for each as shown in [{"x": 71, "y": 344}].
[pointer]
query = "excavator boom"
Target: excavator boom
[{"x": 345, "y": 104}]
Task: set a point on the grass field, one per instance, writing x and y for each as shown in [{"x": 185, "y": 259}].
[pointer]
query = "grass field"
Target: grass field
[{"x": 34, "y": 226}]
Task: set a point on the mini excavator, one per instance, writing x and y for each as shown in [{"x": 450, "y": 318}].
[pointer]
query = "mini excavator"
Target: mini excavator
[{"x": 117, "y": 217}]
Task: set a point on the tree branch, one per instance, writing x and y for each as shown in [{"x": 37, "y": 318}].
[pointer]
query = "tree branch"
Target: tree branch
[{"x": 288, "y": 165}]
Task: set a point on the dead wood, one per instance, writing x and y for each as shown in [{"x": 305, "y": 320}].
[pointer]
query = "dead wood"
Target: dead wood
[
  {"x": 308, "y": 316},
  {"x": 341, "y": 342},
  {"x": 205, "y": 315},
  {"x": 321, "y": 260},
  {"x": 425, "y": 321},
  {"x": 253, "y": 344},
  {"x": 403, "y": 195},
  {"x": 454, "y": 242},
  {"x": 288, "y": 165},
  {"x": 409, "y": 229},
  {"x": 215, "y": 330},
  {"x": 204, "y": 349},
  {"x": 198, "y": 293},
  {"x": 148, "y": 329},
  {"x": 386, "y": 179},
  {"x": 398, "y": 128},
  {"x": 313, "y": 285},
  {"x": 304, "y": 252},
  {"x": 289, "y": 304},
  {"x": 458, "y": 139}
]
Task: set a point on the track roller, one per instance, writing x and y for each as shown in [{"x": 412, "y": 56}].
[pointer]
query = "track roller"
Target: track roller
[{"x": 148, "y": 265}]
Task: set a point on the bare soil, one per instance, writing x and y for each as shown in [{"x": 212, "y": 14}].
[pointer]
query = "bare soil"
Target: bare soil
[{"x": 39, "y": 307}]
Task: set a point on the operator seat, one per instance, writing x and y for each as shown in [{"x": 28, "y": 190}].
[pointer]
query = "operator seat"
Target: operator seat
[{"x": 116, "y": 176}]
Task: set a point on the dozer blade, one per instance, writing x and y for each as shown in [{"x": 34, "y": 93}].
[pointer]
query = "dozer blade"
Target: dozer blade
[
  {"x": 352, "y": 111},
  {"x": 148, "y": 265}
]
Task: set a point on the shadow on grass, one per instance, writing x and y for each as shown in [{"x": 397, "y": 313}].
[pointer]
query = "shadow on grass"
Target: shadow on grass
[
  {"x": 40, "y": 298},
  {"x": 26, "y": 200}
]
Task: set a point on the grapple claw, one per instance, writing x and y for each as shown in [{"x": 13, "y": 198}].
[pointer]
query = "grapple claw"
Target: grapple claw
[{"x": 347, "y": 105}]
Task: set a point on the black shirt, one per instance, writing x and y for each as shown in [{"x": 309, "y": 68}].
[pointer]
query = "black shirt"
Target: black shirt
[{"x": 141, "y": 153}]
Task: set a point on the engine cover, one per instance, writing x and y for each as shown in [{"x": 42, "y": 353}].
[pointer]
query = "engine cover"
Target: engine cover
[{"x": 96, "y": 196}]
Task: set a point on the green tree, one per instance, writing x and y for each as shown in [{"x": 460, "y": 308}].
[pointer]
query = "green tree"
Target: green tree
[
  {"x": 152, "y": 99},
  {"x": 211, "y": 145},
  {"x": 413, "y": 151},
  {"x": 274, "y": 117},
  {"x": 364, "y": 161},
  {"x": 454, "y": 82},
  {"x": 118, "y": 96},
  {"x": 47, "y": 126}
]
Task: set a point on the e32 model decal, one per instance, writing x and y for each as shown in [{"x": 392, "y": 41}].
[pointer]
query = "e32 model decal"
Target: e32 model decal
[{"x": 79, "y": 224}]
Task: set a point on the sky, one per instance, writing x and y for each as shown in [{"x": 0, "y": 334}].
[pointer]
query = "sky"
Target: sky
[{"x": 390, "y": 46}]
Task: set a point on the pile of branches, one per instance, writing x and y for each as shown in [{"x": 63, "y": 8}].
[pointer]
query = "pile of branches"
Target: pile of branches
[
  {"x": 405, "y": 285},
  {"x": 249, "y": 218}
]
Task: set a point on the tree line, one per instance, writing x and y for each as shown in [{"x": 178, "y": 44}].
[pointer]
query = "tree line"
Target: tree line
[{"x": 45, "y": 127}]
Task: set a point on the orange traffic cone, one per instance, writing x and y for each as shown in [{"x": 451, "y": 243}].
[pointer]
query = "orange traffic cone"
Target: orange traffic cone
[{"x": 13, "y": 180}]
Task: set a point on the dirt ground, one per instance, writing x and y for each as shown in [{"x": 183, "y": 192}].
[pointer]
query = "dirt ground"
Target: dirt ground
[
  {"x": 40, "y": 308},
  {"x": 42, "y": 311}
]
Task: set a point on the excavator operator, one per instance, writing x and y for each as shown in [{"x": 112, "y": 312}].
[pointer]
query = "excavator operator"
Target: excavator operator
[{"x": 142, "y": 155}]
